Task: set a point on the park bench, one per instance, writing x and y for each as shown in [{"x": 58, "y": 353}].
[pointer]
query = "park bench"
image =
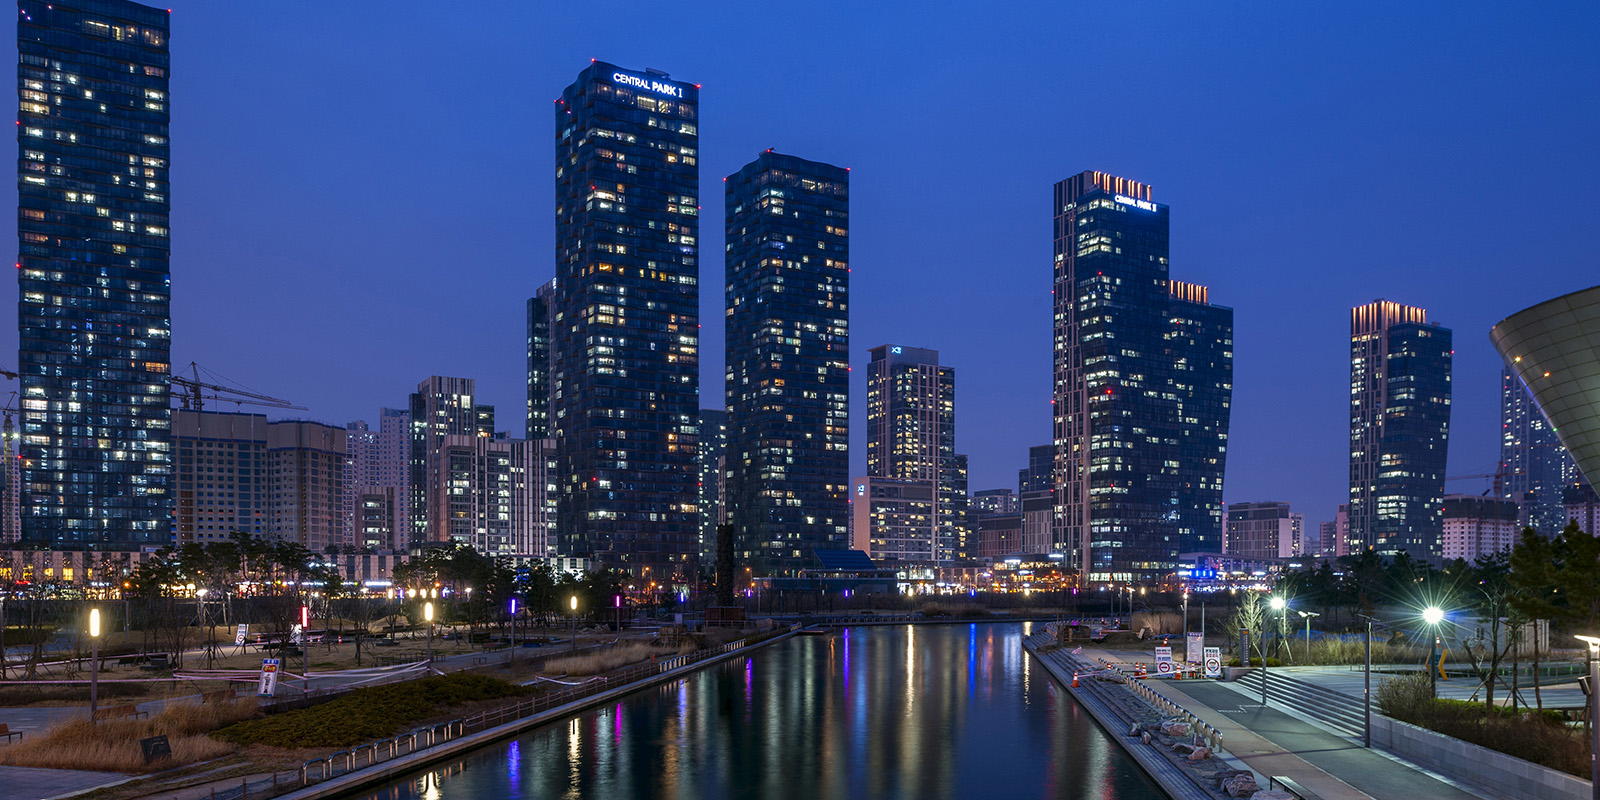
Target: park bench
[
  {"x": 8, "y": 733},
  {"x": 1289, "y": 785},
  {"x": 158, "y": 661},
  {"x": 118, "y": 712}
]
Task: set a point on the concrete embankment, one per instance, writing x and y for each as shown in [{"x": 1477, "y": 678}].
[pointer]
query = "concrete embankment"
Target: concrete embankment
[{"x": 389, "y": 770}]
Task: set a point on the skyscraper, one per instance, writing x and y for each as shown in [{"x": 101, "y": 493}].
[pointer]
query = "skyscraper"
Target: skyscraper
[
  {"x": 440, "y": 407},
  {"x": 1200, "y": 356},
  {"x": 911, "y": 434},
  {"x": 713, "y": 448},
  {"x": 788, "y": 365},
  {"x": 1399, "y": 429},
  {"x": 1143, "y": 378},
  {"x": 1535, "y": 469},
  {"x": 92, "y": 269},
  {"x": 626, "y": 329},
  {"x": 540, "y": 315}
]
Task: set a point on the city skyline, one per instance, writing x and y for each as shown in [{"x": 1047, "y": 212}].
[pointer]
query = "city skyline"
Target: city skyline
[{"x": 1001, "y": 361}]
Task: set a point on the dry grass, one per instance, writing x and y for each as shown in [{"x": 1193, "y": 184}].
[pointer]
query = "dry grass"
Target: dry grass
[
  {"x": 619, "y": 656},
  {"x": 113, "y": 745},
  {"x": 1158, "y": 622}
]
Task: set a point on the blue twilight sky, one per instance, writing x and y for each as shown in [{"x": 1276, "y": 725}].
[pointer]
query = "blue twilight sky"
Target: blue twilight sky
[{"x": 363, "y": 191}]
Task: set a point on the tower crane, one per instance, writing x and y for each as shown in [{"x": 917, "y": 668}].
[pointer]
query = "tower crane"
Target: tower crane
[{"x": 193, "y": 394}]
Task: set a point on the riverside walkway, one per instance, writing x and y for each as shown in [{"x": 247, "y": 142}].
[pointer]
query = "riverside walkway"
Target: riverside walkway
[{"x": 1271, "y": 742}]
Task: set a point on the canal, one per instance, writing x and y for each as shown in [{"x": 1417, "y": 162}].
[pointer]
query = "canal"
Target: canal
[{"x": 925, "y": 711}]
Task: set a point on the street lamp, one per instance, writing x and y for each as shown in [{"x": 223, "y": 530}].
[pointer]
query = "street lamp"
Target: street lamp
[
  {"x": 94, "y": 661},
  {"x": 1594, "y": 708},
  {"x": 1433, "y": 615},
  {"x": 513, "y": 657},
  {"x": 305, "y": 645},
  {"x": 574, "y": 623},
  {"x": 1278, "y": 605},
  {"x": 427, "y": 615},
  {"x": 1307, "y": 615}
]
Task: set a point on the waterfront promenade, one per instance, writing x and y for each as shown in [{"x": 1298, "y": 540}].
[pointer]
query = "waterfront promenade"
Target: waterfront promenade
[{"x": 1271, "y": 742}]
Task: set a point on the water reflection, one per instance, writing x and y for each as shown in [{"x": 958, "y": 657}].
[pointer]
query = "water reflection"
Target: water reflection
[{"x": 937, "y": 711}]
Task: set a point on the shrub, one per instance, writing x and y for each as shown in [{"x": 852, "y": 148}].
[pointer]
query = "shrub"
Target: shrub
[
  {"x": 1255, "y": 661},
  {"x": 366, "y": 715},
  {"x": 1404, "y": 696},
  {"x": 1540, "y": 738}
]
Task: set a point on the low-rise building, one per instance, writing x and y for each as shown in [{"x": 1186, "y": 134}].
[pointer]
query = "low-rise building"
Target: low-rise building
[{"x": 1477, "y": 526}]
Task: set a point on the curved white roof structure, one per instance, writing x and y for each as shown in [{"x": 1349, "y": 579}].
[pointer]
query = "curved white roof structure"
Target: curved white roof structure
[{"x": 1555, "y": 348}]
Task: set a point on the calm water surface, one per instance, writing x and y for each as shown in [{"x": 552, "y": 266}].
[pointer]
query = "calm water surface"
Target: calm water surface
[{"x": 928, "y": 711}]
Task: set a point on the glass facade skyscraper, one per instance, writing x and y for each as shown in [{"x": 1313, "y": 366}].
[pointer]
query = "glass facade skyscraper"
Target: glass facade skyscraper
[
  {"x": 788, "y": 369},
  {"x": 1535, "y": 470},
  {"x": 1200, "y": 355},
  {"x": 911, "y": 436},
  {"x": 1399, "y": 429},
  {"x": 626, "y": 324},
  {"x": 1142, "y": 387},
  {"x": 540, "y": 313},
  {"x": 713, "y": 447},
  {"x": 95, "y": 290}
]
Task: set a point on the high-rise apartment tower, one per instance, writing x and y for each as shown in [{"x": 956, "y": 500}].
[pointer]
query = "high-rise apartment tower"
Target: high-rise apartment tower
[
  {"x": 626, "y": 322},
  {"x": 1399, "y": 429},
  {"x": 92, "y": 269},
  {"x": 1142, "y": 388},
  {"x": 788, "y": 366}
]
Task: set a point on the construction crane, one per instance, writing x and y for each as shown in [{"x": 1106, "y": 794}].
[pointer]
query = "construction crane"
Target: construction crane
[
  {"x": 1498, "y": 477},
  {"x": 193, "y": 396}
]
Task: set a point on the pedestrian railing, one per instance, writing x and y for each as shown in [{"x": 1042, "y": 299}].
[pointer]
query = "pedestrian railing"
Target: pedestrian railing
[
  {"x": 372, "y": 753},
  {"x": 1166, "y": 706}
]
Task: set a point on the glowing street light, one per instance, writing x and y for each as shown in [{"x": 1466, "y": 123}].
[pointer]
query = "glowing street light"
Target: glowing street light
[
  {"x": 1433, "y": 615},
  {"x": 94, "y": 660},
  {"x": 427, "y": 616}
]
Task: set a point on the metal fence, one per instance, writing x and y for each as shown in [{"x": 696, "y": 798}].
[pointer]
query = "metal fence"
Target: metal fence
[{"x": 362, "y": 756}]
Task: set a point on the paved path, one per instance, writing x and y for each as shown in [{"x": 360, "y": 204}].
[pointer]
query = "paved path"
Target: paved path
[
  {"x": 1271, "y": 742},
  {"x": 1265, "y": 738},
  {"x": 27, "y": 783}
]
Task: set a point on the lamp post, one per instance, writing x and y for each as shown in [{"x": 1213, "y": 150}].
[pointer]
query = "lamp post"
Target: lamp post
[
  {"x": 427, "y": 616},
  {"x": 305, "y": 646},
  {"x": 513, "y": 657},
  {"x": 1278, "y": 604},
  {"x": 1433, "y": 615},
  {"x": 574, "y": 623},
  {"x": 1366, "y": 691},
  {"x": 94, "y": 663},
  {"x": 1307, "y": 615},
  {"x": 1594, "y": 709}
]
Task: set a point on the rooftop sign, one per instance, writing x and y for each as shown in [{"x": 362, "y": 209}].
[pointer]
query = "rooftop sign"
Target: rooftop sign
[
  {"x": 648, "y": 84},
  {"x": 1129, "y": 201}
]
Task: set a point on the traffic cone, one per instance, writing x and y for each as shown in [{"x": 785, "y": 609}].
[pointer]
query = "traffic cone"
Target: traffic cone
[
  {"x": 1178, "y": 674},
  {"x": 1074, "y": 680}
]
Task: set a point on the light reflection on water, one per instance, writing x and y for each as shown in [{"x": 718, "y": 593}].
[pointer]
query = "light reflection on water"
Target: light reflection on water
[{"x": 934, "y": 711}]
